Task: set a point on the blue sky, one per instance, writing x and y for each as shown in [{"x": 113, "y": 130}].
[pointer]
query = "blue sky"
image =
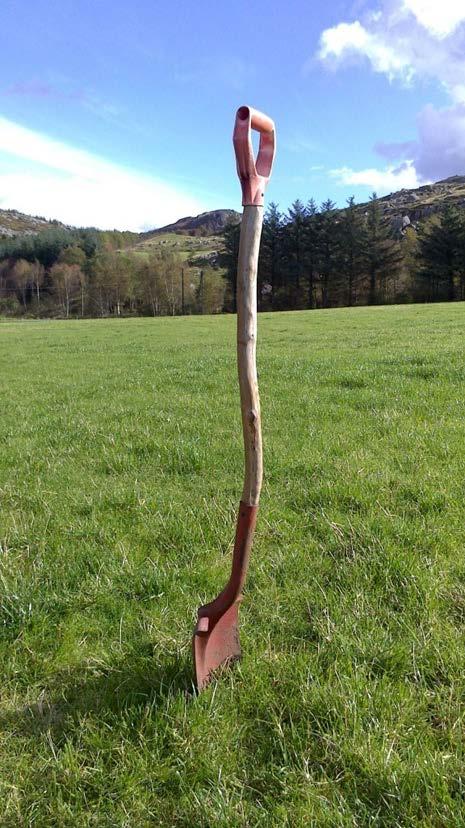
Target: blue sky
[{"x": 120, "y": 115}]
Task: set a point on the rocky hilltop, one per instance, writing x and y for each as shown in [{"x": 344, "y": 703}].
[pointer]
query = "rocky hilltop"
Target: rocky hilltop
[
  {"x": 424, "y": 201},
  {"x": 206, "y": 224},
  {"x": 14, "y": 223}
]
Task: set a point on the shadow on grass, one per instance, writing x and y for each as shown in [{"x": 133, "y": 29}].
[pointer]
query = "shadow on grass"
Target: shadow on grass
[{"x": 141, "y": 678}]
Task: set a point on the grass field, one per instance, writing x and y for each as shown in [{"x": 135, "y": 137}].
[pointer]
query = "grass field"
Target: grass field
[{"x": 120, "y": 473}]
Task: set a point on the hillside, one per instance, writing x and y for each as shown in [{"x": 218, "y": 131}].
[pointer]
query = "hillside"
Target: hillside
[
  {"x": 202, "y": 233},
  {"x": 14, "y": 223},
  {"x": 197, "y": 239},
  {"x": 197, "y": 251}
]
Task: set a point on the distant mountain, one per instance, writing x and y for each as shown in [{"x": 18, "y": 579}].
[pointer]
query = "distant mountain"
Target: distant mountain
[{"x": 205, "y": 224}]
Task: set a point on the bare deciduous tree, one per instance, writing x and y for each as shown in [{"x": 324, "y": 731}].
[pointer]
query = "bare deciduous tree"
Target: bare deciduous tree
[
  {"x": 66, "y": 279},
  {"x": 21, "y": 275}
]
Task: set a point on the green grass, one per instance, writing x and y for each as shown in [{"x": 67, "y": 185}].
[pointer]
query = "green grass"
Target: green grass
[{"x": 120, "y": 473}]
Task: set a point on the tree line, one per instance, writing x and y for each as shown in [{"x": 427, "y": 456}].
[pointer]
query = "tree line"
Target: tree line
[
  {"x": 322, "y": 257},
  {"x": 79, "y": 273},
  {"x": 311, "y": 257}
]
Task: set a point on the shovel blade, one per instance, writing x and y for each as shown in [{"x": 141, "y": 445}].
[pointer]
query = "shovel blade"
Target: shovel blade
[{"x": 217, "y": 647}]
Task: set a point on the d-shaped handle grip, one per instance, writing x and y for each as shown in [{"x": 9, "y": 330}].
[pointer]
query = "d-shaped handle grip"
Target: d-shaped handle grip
[{"x": 253, "y": 175}]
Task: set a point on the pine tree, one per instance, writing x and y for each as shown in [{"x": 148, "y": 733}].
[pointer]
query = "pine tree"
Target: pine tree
[
  {"x": 327, "y": 251},
  {"x": 352, "y": 245},
  {"x": 294, "y": 252},
  {"x": 228, "y": 260},
  {"x": 311, "y": 250},
  {"x": 442, "y": 256},
  {"x": 269, "y": 271},
  {"x": 383, "y": 253}
]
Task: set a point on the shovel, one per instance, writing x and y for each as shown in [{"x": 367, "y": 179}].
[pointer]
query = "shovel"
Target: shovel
[{"x": 216, "y": 636}]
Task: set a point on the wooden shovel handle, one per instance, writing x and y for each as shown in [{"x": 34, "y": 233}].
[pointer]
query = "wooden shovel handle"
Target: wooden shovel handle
[{"x": 249, "y": 245}]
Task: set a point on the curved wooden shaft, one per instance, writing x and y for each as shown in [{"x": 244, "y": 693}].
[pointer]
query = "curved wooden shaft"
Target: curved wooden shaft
[{"x": 249, "y": 246}]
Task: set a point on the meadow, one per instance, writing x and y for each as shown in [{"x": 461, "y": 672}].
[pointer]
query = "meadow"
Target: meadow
[{"x": 120, "y": 474}]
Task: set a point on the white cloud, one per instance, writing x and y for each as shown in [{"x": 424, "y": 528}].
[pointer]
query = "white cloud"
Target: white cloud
[
  {"x": 409, "y": 40},
  {"x": 82, "y": 189},
  {"x": 345, "y": 39},
  {"x": 381, "y": 181},
  {"x": 440, "y": 18},
  {"x": 405, "y": 39}
]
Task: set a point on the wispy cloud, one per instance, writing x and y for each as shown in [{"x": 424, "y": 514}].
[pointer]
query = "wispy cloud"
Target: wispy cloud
[
  {"x": 30, "y": 89},
  {"x": 80, "y": 188},
  {"x": 299, "y": 144},
  {"x": 64, "y": 91},
  {"x": 229, "y": 70}
]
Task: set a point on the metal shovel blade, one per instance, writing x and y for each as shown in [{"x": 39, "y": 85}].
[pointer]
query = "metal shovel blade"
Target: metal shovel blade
[{"x": 217, "y": 647}]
